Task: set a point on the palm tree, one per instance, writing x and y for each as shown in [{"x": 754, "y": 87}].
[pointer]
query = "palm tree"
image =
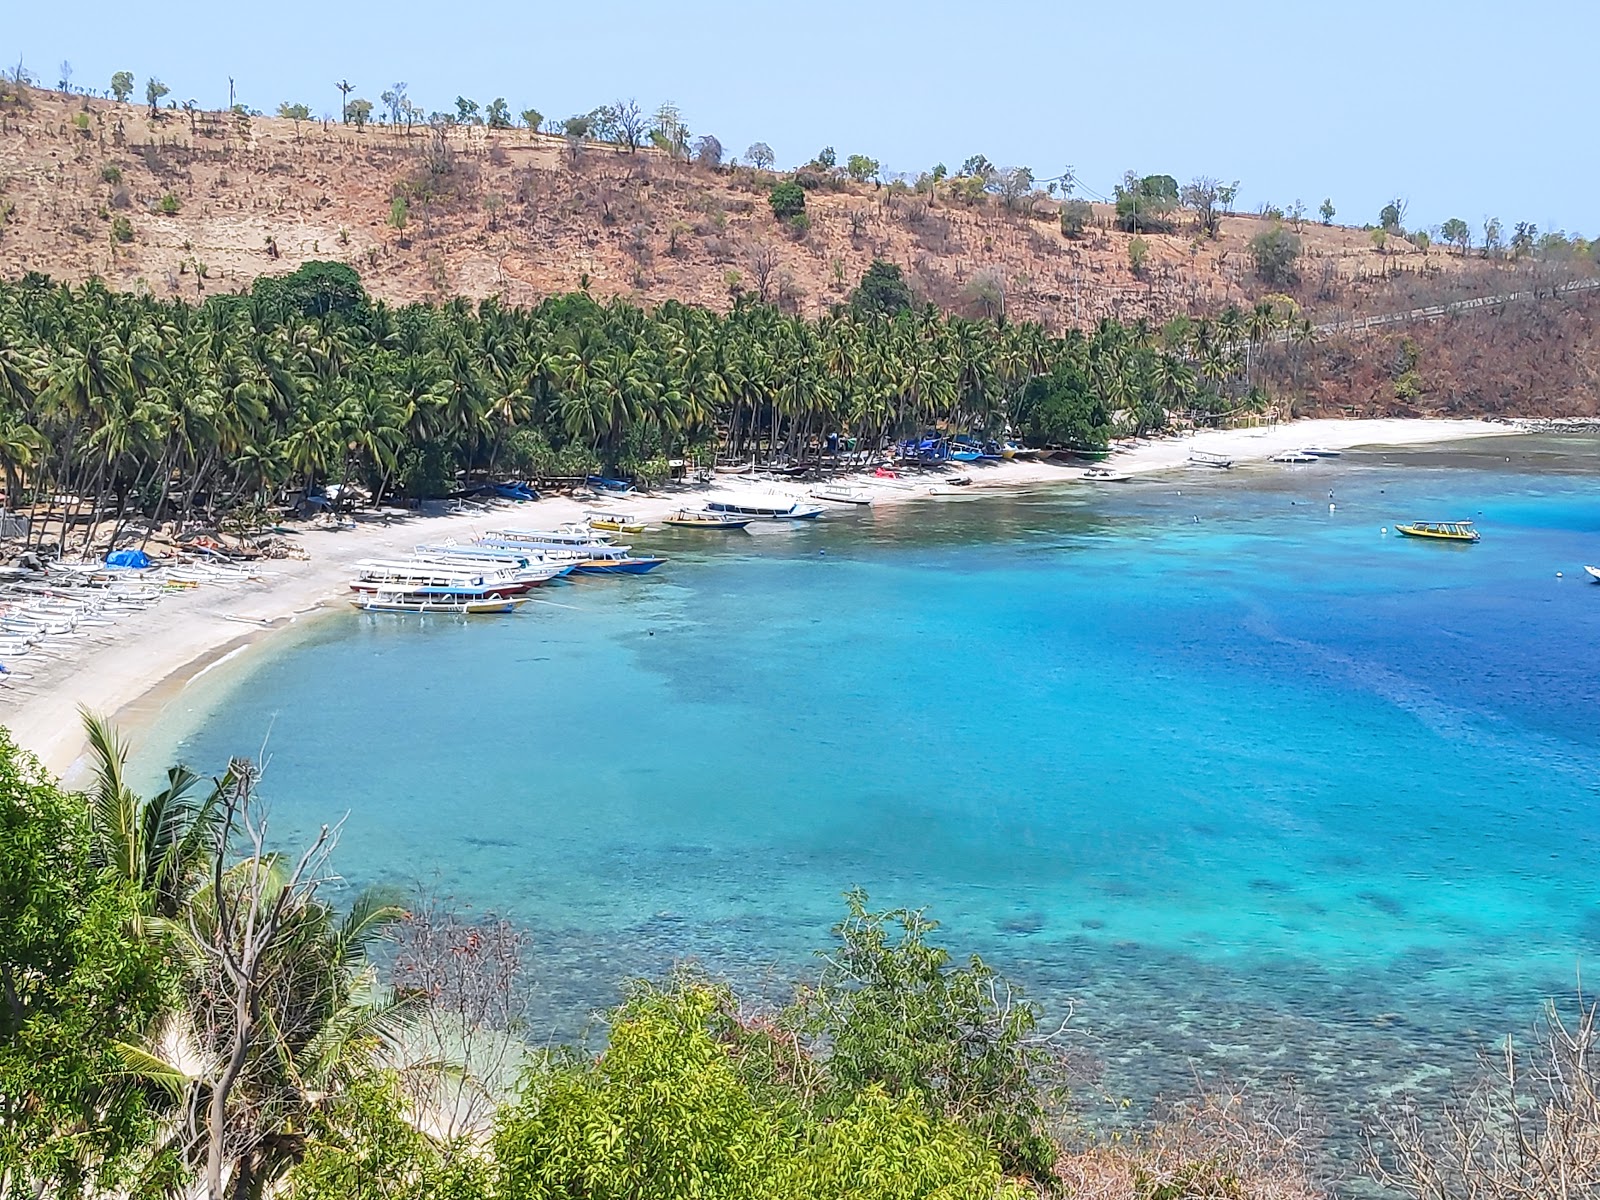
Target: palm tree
[{"x": 160, "y": 845}]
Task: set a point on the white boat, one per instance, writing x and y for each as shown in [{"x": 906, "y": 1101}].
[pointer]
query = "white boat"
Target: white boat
[
  {"x": 1105, "y": 475},
  {"x": 774, "y": 507},
  {"x": 687, "y": 518},
  {"x": 408, "y": 603},
  {"x": 1204, "y": 458},
  {"x": 380, "y": 575},
  {"x": 1293, "y": 456},
  {"x": 561, "y": 535},
  {"x": 1594, "y": 573},
  {"x": 837, "y": 493},
  {"x": 1319, "y": 452}
]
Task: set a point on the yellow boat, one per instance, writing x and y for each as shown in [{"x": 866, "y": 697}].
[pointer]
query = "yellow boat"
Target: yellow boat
[
  {"x": 616, "y": 522},
  {"x": 1443, "y": 531}
]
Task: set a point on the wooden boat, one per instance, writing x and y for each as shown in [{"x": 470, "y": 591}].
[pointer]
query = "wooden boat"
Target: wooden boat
[
  {"x": 409, "y": 603},
  {"x": 764, "y": 508},
  {"x": 686, "y": 518},
  {"x": 1204, "y": 458},
  {"x": 616, "y": 522},
  {"x": 1294, "y": 456},
  {"x": 1105, "y": 475},
  {"x": 1594, "y": 573},
  {"x": 837, "y": 493},
  {"x": 1442, "y": 531},
  {"x": 617, "y": 562}
]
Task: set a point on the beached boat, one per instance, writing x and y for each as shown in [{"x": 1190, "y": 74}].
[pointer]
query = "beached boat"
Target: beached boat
[
  {"x": 614, "y": 521},
  {"x": 764, "y": 508},
  {"x": 1594, "y": 573},
  {"x": 1204, "y": 458},
  {"x": 1442, "y": 531},
  {"x": 731, "y": 468},
  {"x": 1294, "y": 456},
  {"x": 837, "y": 493},
  {"x": 562, "y": 535},
  {"x": 1319, "y": 452},
  {"x": 687, "y": 518},
  {"x": 616, "y": 487},
  {"x": 405, "y": 602},
  {"x": 1105, "y": 475}
]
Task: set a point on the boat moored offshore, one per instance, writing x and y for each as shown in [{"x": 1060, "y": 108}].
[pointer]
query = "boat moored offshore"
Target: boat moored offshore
[{"x": 1442, "y": 531}]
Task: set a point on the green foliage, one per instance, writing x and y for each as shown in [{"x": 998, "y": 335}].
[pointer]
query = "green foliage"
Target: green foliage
[
  {"x": 358, "y": 112},
  {"x": 294, "y": 112},
  {"x": 1075, "y": 217},
  {"x": 893, "y": 1011},
  {"x": 111, "y": 173},
  {"x": 122, "y": 86},
  {"x": 169, "y": 205},
  {"x": 154, "y": 90},
  {"x": 77, "y": 979},
  {"x": 1389, "y": 219},
  {"x": 1145, "y": 204},
  {"x": 861, "y": 168},
  {"x": 1063, "y": 409},
  {"x": 532, "y": 118},
  {"x": 788, "y": 199},
  {"x": 467, "y": 111},
  {"x": 121, "y": 230},
  {"x": 1327, "y": 210},
  {"x": 826, "y": 159},
  {"x": 424, "y": 472},
  {"x": 1138, "y": 254},
  {"x": 883, "y": 290},
  {"x": 498, "y": 114},
  {"x": 681, "y": 1104},
  {"x": 313, "y": 289},
  {"x": 1275, "y": 254},
  {"x": 399, "y": 212},
  {"x": 360, "y": 1148},
  {"x": 892, "y": 1149},
  {"x": 1458, "y": 233},
  {"x": 663, "y": 1113}
]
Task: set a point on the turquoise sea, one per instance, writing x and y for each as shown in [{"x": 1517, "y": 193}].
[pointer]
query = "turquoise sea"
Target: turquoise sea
[{"x": 1259, "y": 791}]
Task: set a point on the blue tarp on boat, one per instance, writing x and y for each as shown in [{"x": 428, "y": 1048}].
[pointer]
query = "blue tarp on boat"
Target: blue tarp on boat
[{"x": 128, "y": 558}]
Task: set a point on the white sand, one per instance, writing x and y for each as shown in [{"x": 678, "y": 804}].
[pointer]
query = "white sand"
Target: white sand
[{"x": 149, "y": 655}]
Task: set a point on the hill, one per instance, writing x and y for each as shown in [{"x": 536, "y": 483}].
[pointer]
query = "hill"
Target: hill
[{"x": 190, "y": 204}]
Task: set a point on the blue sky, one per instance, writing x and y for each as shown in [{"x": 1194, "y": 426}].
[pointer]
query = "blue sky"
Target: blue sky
[{"x": 1465, "y": 109}]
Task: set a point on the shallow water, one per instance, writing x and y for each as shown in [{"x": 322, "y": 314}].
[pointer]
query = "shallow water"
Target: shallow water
[{"x": 1264, "y": 792}]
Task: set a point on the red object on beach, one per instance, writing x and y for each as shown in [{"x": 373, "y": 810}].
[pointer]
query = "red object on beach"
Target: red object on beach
[{"x": 885, "y": 473}]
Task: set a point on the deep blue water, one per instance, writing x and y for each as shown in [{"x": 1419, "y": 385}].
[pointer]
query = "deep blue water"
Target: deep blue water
[{"x": 1264, "y": 792}]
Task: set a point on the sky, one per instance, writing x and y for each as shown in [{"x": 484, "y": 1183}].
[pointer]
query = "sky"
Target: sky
[{"x": 1460, "y": 108}]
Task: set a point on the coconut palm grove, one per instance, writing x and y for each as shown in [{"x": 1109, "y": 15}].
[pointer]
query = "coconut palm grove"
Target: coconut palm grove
[{"x": 147, "y": 408}]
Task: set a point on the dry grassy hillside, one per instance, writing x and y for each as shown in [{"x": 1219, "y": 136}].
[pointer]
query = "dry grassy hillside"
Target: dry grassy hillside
[{"x": 513, "y": 213}]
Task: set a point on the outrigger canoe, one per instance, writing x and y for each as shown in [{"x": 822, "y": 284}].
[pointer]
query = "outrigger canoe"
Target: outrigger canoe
[{"x": 1441, "y": 531}]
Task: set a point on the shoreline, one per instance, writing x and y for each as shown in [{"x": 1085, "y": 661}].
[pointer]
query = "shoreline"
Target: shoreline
[{"x": 159, "y": 652}]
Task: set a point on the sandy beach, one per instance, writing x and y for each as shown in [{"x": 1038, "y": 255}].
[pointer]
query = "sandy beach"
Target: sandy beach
[{"x": 132, "y": 668}]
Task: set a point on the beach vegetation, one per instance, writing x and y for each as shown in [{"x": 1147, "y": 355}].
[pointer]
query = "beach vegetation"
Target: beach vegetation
[{"x": 121, "y": 86}]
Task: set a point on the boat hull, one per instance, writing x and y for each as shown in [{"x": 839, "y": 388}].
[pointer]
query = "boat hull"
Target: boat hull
[{"x": 621, "y": 566}]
